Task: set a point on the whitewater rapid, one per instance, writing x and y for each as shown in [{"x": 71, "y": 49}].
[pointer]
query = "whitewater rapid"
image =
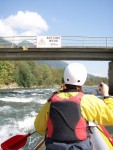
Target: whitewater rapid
[{"x": 18, "y": 110}]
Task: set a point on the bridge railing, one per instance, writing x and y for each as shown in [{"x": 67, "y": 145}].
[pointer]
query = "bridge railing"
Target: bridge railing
[
  {"x": 87, "y": 41},
  {"x": 77, "y": 41},
  {"x": 18, "y": 41}
]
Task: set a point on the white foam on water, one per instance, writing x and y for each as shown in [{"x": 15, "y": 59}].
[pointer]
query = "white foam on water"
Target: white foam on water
[
  {"x": 6, "y": 132},
  {"x": 6, "y": 108},
  {"x": 33, "y": 113},
  {"x": 27, "y": 124},
  {"x": 24, "y": 99},
  {"x": 17, "y": 99},
  {"x": 18, "y": 127},
  {"x": 22, "y": 91},
  {"x": 42, "y": 101}
]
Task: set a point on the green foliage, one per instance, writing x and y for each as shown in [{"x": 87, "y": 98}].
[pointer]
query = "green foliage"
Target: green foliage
[
  {"x": 44, "y": 74},
  {"x": 23, "y": 75},
  {"x": 57, "y": 75},
  {"x": 30, "y": 74},
  {"x": 6, "y": 72},
  {"x": 95, "y": 80}
]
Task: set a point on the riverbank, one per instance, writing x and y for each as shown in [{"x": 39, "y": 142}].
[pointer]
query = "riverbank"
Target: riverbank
[
  {"x": 15, "y": 87},
  {"x": 11, "y": 86}
]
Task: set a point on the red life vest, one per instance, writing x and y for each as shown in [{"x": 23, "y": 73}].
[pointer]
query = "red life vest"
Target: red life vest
[{"x": 65, "y": 123}]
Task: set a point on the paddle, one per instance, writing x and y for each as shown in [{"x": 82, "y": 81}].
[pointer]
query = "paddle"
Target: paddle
[
  {"x": 15, "y": 142},
  {"x": 39, "y": 145}
]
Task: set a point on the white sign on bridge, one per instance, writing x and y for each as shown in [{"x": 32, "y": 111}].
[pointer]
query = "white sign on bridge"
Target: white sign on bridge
[{"x": 48, "y": 41}]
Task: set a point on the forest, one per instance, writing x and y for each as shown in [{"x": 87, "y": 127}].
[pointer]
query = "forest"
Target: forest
[{"x": 29, "y": 74}]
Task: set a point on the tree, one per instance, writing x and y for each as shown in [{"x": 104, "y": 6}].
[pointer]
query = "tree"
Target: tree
[
  {"x": 57, "y": 75},
  {"x": 23, "y": 75},
  {"x": 6, "y": 72},
  {"x": 29, "y": 74},
  {"x": 44, "y": 75}
]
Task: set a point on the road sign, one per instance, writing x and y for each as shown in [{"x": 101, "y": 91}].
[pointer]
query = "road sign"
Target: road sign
[{"x": 48, "y": 41}]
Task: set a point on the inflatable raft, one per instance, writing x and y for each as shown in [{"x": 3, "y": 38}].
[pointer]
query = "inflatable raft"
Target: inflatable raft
[{"x": 100, "y": 138}]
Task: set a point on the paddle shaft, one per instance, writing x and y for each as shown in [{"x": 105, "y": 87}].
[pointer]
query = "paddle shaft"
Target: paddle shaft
[
  {"x": 31, "y": 133},
  {"x": 39, "y": 145}
]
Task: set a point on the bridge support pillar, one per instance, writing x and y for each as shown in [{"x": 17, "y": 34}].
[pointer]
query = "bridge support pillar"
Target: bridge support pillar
[{"x": 110, "y": 76}]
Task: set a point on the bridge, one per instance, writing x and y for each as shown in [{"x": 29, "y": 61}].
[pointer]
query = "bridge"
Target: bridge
[
  {"x": 71, "y": 48},
  {"x": 58, "y": 48}
]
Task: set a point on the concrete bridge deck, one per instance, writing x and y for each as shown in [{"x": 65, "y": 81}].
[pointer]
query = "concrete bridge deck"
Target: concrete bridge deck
[
  {"x": 69, "y": 48},
  {"x": 63, "y": 53}
]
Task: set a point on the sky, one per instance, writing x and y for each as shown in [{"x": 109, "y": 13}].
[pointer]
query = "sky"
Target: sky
[{"x": 89, "y": 18}]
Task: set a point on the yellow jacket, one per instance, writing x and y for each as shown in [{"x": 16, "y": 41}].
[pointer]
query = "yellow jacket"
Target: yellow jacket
[{"x": 93, "y": 109}]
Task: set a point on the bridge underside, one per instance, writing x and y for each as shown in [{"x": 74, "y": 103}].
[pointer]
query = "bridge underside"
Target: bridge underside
[{"x": 64, "y": 53}]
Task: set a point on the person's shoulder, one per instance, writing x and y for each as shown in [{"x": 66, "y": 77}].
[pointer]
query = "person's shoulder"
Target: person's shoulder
[
  {"x": 90, "y": 97},
  {"x": 89, "y": 100}
]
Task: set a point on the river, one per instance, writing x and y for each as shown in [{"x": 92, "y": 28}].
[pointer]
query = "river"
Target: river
[{"x": 18, "y": 109}]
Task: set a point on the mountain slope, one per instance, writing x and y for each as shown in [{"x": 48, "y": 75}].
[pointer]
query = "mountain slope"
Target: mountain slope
[
  {"x": 5, "y": 43},
  {"x": 26, "y": 43},
  {"x": 61, "y": 65},
  {"x": 56, "y": 64}
]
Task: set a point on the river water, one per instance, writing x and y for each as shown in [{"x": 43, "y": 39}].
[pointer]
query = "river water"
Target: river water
[{"x": 18, "y": 109}]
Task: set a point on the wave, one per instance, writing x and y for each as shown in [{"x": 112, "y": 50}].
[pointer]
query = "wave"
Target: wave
[
  {"x": 23, "y": 126},
  {"x": 23, "y": 100},
  {"x": 17, "y": 99},
  {"x": 6, "y": 108},
  {"x": 27, "y": 124}
]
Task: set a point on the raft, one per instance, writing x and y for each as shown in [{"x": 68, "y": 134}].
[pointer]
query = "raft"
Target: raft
[{"x": 100, "y": 138}]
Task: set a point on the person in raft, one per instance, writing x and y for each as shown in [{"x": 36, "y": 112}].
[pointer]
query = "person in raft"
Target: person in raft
[{"x": 64, "y": 117}]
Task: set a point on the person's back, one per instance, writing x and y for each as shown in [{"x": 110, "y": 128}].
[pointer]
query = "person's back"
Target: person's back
[
  {"x": 65, "y": 116},
  {"x": 66, "y": 126}
]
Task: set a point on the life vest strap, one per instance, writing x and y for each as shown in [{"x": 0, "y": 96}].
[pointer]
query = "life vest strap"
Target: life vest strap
[{"x": 106, "y": 133}]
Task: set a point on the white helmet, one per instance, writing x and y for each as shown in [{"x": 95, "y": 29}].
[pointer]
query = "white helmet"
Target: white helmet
[{"x": 75, "y": 74}]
